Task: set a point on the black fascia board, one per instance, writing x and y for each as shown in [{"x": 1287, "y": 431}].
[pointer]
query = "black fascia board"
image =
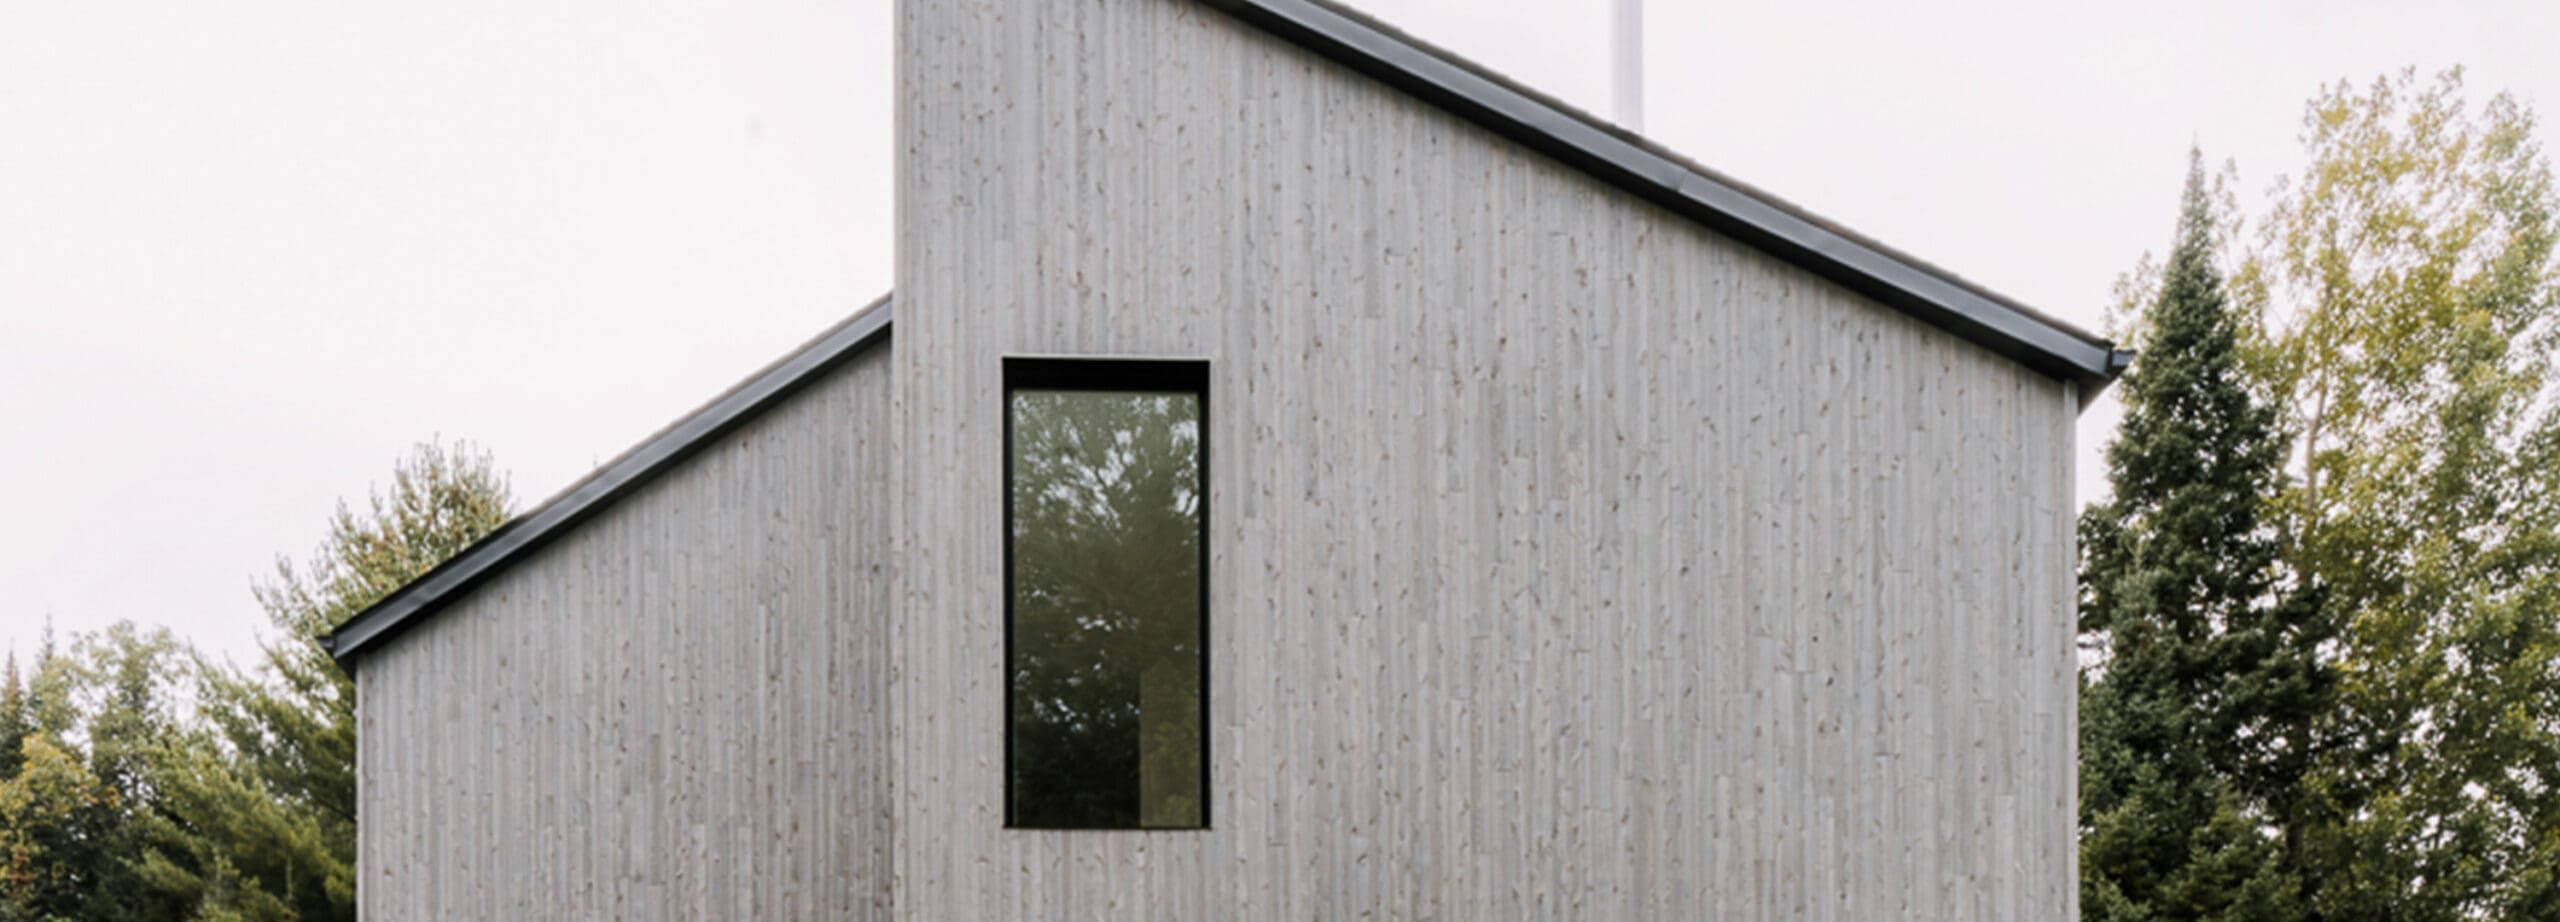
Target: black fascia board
[
  {"x": 613, "y": 480},
  {"x": 1734, "y": 209}
]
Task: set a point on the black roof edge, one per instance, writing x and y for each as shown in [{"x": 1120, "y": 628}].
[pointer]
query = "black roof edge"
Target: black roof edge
[
  {"x": 617, "y": 478},
  {"x": 1732, "y": 208}
]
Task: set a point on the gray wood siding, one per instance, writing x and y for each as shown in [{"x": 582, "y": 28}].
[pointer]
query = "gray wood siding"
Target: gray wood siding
[
  {"x": 675, "y": 711},
  {"x": 1569, "y": 561}
]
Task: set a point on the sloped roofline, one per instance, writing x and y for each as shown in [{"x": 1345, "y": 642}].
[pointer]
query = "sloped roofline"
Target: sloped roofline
[
  {"x": 1584, "y": 142},
  {"x": 1569, "y": 135},
  {"x": 526, "y": 533}
]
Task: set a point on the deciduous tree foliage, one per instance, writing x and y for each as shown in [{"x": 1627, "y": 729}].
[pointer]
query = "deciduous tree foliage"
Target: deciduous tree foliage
[
  {"x": 2321, "y": 610},
  {"x": 83, "y": 799},
  {"x": 121, "y": 803},
  {"x": 2401, "y": 315},
  {"x": 2409, "y": 306}
]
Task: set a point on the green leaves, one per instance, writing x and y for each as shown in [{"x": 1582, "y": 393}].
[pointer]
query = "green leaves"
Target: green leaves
[
  {"x": 290, "y": 729},
  {"x": 147, "y": 783},
  {"x": 2417, "y": 297},
  {"x": 2382, "y": 709},
  {"x": 84, "y": 799}
]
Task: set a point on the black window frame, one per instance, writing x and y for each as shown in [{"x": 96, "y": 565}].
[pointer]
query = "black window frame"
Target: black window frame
[{"x": 1094, "y": 373}]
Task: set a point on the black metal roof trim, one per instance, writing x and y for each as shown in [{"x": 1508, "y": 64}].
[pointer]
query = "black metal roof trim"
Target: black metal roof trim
[
  {"x": 1737, "y": 210},
  {"x": 524, "y": 534}
]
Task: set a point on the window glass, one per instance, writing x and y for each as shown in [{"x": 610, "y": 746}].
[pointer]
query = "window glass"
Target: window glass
[{"x": 1108, "y": 671}]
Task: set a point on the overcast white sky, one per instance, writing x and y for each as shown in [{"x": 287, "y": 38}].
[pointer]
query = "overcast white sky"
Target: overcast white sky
[{"x": 251, "y": 251}]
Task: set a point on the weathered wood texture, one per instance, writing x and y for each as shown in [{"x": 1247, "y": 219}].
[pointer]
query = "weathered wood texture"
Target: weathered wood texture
[
  {"x": 674, "y": 712},
  {"x": 1569, "y": 560}
]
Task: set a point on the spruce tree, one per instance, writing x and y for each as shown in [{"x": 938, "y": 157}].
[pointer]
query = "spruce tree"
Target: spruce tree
[
  {"x": 15, "y": 722},
  {"x": 2204, "y": 689},
  {"x": 275, "y": 825}
]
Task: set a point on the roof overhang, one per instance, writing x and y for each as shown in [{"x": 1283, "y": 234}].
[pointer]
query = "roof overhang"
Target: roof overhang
[
  {"x": 1584, "y": 142},
  {"x": 1543, "y": 124},
  {"x": 629, "y": 471}
]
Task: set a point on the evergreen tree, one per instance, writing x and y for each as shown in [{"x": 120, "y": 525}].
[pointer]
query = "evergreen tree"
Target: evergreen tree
[
  {"x": 49, "y": 704},
  {"x": 274, "y": 824},
  {"x": 2204, "y": 693},
  {"x": 15, "y": 721},
  {"x": 123, "y": 797}
]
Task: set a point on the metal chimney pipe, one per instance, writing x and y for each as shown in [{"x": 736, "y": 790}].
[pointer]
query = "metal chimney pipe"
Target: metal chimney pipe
[{"x": 1627, "y": 64}]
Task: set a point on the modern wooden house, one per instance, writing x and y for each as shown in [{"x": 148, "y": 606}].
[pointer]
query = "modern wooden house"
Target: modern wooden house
[{"x": 1299, "y": 475}]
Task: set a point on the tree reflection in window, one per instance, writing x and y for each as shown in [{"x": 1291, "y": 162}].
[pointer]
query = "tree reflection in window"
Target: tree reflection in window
[{"x": 1107, "y": 666}]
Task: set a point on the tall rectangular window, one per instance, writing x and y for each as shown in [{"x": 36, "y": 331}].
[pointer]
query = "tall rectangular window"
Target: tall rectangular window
[{"x": 1106, "y": 607}]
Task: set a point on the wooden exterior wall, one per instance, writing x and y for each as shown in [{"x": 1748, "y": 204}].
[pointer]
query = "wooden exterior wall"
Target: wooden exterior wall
[
  {"x": 673, "y": 712},
  {"x": 1569, "y": 561}
]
